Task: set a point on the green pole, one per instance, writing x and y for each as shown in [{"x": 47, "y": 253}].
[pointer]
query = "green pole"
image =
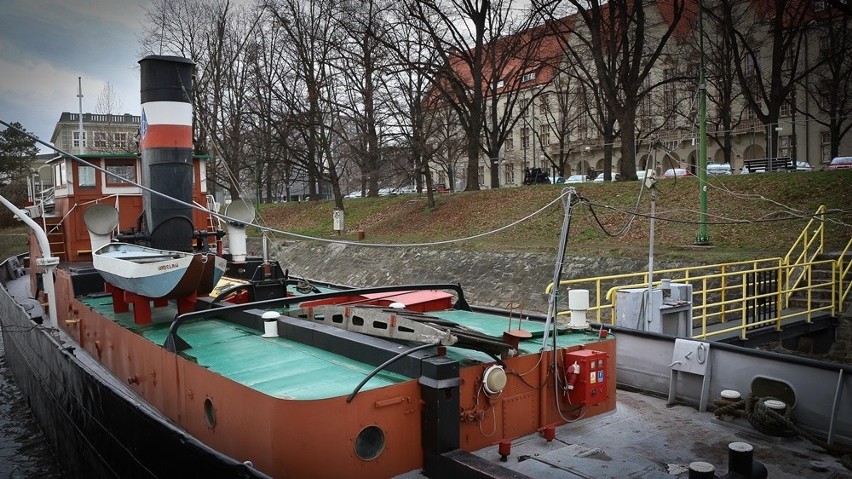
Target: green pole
[{"x": 702, "y": 238}]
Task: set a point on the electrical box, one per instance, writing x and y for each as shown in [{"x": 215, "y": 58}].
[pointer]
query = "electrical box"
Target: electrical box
[{"x": 586, "y": 376}]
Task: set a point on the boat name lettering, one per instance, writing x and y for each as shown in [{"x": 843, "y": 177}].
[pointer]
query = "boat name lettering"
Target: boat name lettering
[{"x": 168, "y": 266}]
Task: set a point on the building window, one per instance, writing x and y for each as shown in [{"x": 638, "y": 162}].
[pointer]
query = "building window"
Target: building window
[
  {"x": 500, "y": 84},
  {"x": 787, "y": 108},
  {"x": 785, "y": 146},
  {"x": 124, "y": 169},
  {"x": 582, "y": 126},
  {"x": 750, "y": 114},
  {"x": 544, "y": 134},
  {"x": 86, "y": 176},
  {"x": 670, "y": 98},
  {"x": 825, "y": 146},
  {"x": 120, "y": 140},
  {"x": 524, "y": 103},
  {"x": 509, "y": 174},
  {"x": 542, "y": 104},
  {"x": 481, "y": 175},
  {"x": 529, "y": 76},
  {"x": 525, "y": 138},
  {"x": 100, "y": 139},
  {"x": 75, "y": 136},
  {"x": 510, "y": 141}
]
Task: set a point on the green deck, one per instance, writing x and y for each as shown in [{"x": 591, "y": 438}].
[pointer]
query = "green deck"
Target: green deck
[{"x": 287, "y": 369}]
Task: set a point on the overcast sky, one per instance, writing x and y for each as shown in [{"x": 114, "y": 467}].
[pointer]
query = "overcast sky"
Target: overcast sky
[{"x": 45, "y": 45}]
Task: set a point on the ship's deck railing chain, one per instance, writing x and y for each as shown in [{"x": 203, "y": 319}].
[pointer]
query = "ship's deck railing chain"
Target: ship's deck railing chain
[{"x": 741, "y": 296}]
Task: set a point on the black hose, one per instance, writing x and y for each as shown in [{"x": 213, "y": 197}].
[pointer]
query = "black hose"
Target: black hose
[{"x": 386, "y": 364}]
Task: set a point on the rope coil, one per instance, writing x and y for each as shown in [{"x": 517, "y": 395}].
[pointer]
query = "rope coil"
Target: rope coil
[{"x": 770, "y": 422}]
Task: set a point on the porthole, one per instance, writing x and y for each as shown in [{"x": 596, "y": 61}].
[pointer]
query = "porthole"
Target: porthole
[
  {"x": 370, "y": 443},
  {"x": 209, "y": 413}
]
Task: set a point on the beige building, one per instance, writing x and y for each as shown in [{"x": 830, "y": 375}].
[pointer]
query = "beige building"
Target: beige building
[
  {"x": 101, "y": 133},
  {"x": 560, "y": 123}
]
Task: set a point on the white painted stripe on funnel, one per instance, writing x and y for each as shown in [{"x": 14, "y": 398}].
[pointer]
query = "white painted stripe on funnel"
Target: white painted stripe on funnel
[{"x": 168, "y": 113}]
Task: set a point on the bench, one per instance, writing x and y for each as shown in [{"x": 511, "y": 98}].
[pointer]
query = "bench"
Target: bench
[{"x": 770, "y": 164}]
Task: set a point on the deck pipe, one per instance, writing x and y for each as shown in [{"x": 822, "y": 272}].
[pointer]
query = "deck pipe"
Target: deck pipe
[{"x": 166, "y": 146}]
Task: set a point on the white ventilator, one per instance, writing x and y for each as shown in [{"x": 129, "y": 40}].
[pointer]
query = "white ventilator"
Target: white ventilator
[
  {"x": 240, "y": 214},
  {"x": 101, "y": 221},
  {"x": 578, "y": 303}
]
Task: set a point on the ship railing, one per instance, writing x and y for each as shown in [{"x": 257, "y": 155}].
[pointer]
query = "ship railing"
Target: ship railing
[
  {"x": 727, "y": 298},
  {"x": 734, "y": 302},
  {"x": 601, "y": 288},
  {"x": 745, "y": 290},
  {"x": 844, "y": 273},
  {"x": 806, "y": 248}
]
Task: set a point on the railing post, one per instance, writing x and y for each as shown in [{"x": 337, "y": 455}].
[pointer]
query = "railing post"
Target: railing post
[
  {"x": 779, "y": 301},
  {"x": 723, "y": 286}
]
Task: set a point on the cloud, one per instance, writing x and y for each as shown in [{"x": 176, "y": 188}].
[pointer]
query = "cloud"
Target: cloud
[{"x": 46, "y": 45}]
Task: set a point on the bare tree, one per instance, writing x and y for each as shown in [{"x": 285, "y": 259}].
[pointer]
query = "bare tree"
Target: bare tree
[
  {"x": 615, "y": 45},
  {"x": 309, "y": 34},
  {"x": 108, "y": 102},
  {"x": 829, "y": 89},
  {"x": 412, "y": 108},
  {"x": 214, "y": 36},
  {"x": 768, "y": 39},
  {"x": 517, "y": 70},
  {"x": 561, "y": 122},
  {"x": 458, "y": 32},
  {"x": 362, "y": 60},
  {"x": 723, "y": 89}
]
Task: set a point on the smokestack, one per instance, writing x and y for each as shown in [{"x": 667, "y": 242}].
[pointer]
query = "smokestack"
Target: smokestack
[{"x": 166, "y": 144}]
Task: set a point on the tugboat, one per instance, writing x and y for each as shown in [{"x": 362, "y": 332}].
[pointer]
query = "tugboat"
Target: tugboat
[{"x": 145, "y": 348}]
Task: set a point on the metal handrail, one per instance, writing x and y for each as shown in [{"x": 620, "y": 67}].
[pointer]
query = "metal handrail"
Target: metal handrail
[
  {"x": 795, "y": 271},
  {"x": 843, "y": 293},
  {"x": 720, "y": 290}
]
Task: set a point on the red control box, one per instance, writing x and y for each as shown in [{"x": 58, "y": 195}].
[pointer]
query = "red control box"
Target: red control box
[{"x": 586, "y": 376}]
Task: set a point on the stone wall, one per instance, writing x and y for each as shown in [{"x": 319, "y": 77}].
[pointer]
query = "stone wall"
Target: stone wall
[{"x": 515, "y": 281}]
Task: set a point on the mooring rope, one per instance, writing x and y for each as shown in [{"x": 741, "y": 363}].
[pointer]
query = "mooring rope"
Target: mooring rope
[{"x": 770, "y": 422}]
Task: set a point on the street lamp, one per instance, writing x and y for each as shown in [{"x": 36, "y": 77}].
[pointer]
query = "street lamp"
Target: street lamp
[
  {"x": 771, "y": 154},
  {"x": 702, "y": 238}
]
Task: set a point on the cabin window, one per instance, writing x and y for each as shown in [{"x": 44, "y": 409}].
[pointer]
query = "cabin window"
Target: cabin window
[
  {"x": 124, "y": 169},
  {"x": 61, "y": 174},
  {"x": 86, "y": 176}
]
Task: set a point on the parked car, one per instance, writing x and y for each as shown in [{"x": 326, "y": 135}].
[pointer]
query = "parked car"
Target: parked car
[
  {"x": 719, "y": 169},
  {"x": 803, "y": 166},
  {"x": 556, "y": 180},
  {"x": 676, "y": 173},
  {"x": 841, "y": 163},
  {"x": 354, "y": 194},
  {"x": 600, "y": 177},
  {"x": 576, "y": 179}
]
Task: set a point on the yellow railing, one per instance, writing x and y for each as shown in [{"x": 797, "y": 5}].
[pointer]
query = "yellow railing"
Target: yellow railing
[
  {"x": 842, "y": 273},
  {"x": 809, "y": 244},
  {"x": 733, "y": 298}
]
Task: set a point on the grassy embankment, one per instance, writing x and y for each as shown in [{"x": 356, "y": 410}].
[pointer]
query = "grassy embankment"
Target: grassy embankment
[
  {"x": 745, "y": 207},
  {"x": 751, "y": 199}
]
